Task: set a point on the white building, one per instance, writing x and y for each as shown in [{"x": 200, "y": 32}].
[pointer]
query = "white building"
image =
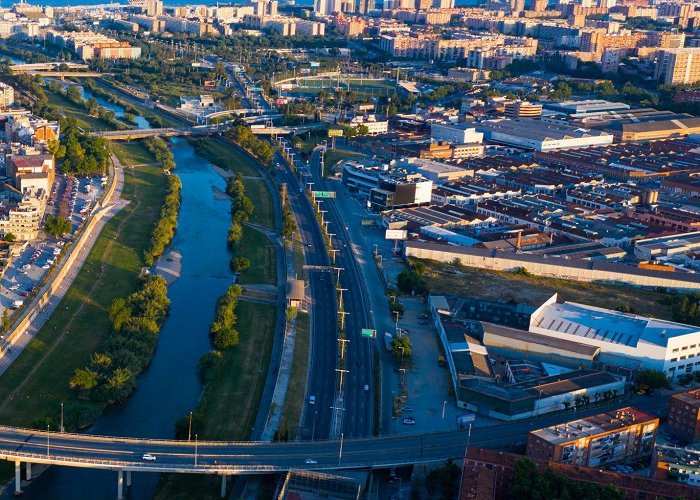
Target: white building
[
  {"x": 374, "y": 126},
  {"x": 455, "y": 133},
  {"x": 541, "y": 136},
  {"x": 624, "y": 339},
  {"x": 7, "y": 95}
]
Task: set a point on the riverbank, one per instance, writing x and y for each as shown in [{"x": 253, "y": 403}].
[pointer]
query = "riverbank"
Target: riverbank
[{"x": 33, "y": 388}]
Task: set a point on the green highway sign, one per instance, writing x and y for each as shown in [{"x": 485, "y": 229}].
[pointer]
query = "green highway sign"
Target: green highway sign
[
  {"x": 323, "y": 194},
  {"x": 368, "y": 332}
]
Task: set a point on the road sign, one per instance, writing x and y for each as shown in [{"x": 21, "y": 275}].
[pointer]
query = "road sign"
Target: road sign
[
  {"x": 396, "y": 234},
  {"x": 368, "y": 332},
  {"x": 335, "y": 132},
  {"x": 323, "y": 194}
]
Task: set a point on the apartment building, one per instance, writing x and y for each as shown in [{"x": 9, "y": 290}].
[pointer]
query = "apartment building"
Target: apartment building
[
  {"x": 684, "y": 415},
  {"x": 22, "y": 220},
  {"x": 523, "y": 109},
  {"x": 678, "y": 66},
  {"x": 623, "y": 434}
]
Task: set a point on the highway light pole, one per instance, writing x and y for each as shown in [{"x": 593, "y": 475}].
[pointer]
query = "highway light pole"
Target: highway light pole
[
  {"x": 189, "y": 429},
  {"x": 341, "y": 290},
  {"x": 444, "y": 403},
  {"x": 342, "y": 347},
  {"x": 340, "y": 452},
  {"x": 62, "y": 428},
  {"x": 48, "y": 442},
  {"x": 195, "y": 449},
  {"x": 341, "y": 377}
]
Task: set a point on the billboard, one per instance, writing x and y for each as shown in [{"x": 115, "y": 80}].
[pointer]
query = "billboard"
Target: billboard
[
  {"x": 396, "y": 234},
  {"x": 335, "y": 132}
]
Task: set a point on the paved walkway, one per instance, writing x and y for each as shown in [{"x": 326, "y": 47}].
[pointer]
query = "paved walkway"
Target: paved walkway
[
  {"x": 282, "y": 384},
  {"x": 38, "y": 316}
]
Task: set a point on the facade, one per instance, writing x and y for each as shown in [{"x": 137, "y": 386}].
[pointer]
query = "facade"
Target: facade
[
  {"x": 684, "y": 415},
  {"x": 618, "y": 435},
  {"x": 88, "y": 45},
  {"x": 22, "y": 220},
  {"x": 457, "y": 133},
  {"x": 523, "y": 109},
  {"x": 7, "y": 95},
  {"x": 678, "y": 66},
  {"x": 677, "y": 466}
]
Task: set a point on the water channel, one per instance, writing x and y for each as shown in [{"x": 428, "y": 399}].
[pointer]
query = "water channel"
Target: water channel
[
  {"x": 169, "y": 388},
  {"x": 119, "y": 112}
]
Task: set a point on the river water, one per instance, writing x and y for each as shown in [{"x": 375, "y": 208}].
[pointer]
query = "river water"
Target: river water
[
  {"x": 141, "y": 122},
  {"x": 170, "y": 387}
]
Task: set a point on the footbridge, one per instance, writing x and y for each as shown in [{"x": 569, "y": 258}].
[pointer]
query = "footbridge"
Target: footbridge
[{"x": 127, "y": 455}]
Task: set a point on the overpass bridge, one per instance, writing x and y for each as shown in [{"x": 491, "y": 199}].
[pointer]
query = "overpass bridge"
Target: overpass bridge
[
  {"x": 141, "y": 133},
  {"x": 126, "y": 455},
  {"x": 66, "y": 74},
  {"x": 49, "y": 66}
]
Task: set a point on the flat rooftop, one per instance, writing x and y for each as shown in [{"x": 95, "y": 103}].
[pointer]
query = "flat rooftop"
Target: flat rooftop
[
  {"x": 594, "y": 323},
  {"x": 593, "y": 425},
  {"x": 691, "y": 398},
  {"x": 536, "y": 129},
  {"x": 525, "y": 337}
]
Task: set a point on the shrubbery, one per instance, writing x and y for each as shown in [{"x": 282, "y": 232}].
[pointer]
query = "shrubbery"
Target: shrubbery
[
  {"x": 80, "y": 153},
  {"x": 56, "y": 225},
  {"x": 110, "y": 376},
  {"x": 242, "y": 136},
  {"x": 289, "y": 223},
  {"x": 242, "y": 208},
  {"x": 164, "y": 230},
  {"x": 159, "y": 148},
  {"x": 223, "y": 329}
]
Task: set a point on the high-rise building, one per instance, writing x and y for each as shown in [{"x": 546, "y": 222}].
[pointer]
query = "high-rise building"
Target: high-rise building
[
  {"x": 678, "y": 66},
  {"x": 444, "y": 4},
  {"x": 592, "y": 441},
  {"x": 516, "y": 5},
  {"x": 321, "y": 7},
  {"x": 523, "y": 109},
  {"x": 364, "y": 6}
]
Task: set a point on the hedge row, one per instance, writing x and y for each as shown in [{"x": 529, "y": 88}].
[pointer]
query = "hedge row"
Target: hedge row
[{"x": 164, "y": 230}]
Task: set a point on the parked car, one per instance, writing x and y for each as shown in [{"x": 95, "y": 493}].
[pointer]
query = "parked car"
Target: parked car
[{"x": 310, "y": 461}]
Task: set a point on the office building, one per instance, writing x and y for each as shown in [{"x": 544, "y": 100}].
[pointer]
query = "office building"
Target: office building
[
  {"x": 7, "y": 95},
  {"x": 678, "y": 66},
  {"x": 684, "y": 415},
  {"x": 456, "y": 133},
  {"x": 523, "y": 109},
  {"x": 618, "y": 435}
]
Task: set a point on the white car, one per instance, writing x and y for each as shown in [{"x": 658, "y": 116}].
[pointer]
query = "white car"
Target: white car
[
  {"x": 14, "y": 287},
  {"x": 148, "y": 456},
  {"x": 310, "y": 461}
]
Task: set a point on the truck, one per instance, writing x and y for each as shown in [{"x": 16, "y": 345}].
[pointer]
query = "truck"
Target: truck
[
  {"x": 388, "y": 337},
  {"x": 17, "y": 304}
]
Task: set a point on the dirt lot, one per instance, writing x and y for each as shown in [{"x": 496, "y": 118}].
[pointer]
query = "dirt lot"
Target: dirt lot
[{"x": 533, "y": 290}]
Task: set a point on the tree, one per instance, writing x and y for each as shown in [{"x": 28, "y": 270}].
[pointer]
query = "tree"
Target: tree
[
  {"x": 9, "y": 237},
  {"x": 409, "y": 281},
  {"x": 83, "y": 379},
  {"x": 651, "y": 380},
  {"x": 239, "y": 264},
  {"x": 6, "y": 321},
  {"x": 401, "y": 348},
  {"x": 74, "y": 95},
  {"x": 56, "y": 225}
]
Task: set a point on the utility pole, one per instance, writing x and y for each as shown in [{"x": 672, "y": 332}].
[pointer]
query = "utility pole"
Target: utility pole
[
  {"x": 340, "y": 453},
  {"x": 342, "y": 347},
  {"x": 342, "y": 319},
  {"x": 195, "y": 449},
  {"x": 62, "y": 428}
]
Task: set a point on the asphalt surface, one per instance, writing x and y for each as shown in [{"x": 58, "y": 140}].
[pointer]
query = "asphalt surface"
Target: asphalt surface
[
  {"x": 358, "y": 402},
  {"x": 317, "y": 418}
]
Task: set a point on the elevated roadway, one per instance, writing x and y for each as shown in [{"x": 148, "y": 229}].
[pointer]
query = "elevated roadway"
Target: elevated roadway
[{"x": 129, "y": 134}]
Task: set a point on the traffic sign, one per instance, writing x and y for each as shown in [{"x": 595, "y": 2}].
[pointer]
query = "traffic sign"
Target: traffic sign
[
  {"x": 323, "y": 194},
  {"x": 368, "y": 332}
]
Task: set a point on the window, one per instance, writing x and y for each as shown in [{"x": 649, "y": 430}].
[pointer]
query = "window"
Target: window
[
  {"x": 673, "y": 360},
  {"x": 675, "y": 350},
  {"x": 685, "y": 348}
]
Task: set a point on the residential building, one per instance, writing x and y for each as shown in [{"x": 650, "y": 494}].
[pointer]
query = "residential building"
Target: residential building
[
  {"x": 374, "y": 126},
  {"x": 678, "y": 66},
  {"x": 614, "y": 436},
  {"x": 677, "y": 466},
  {"x": 684, "y": 415},
  {"x": 21, "y": 220},
  {"x": 7, "y": 95}
]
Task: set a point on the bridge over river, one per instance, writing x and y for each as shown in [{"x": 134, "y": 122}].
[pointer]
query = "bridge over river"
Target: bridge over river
[
  {"x": 127, "y": 455},
  {"x": 131, "y": 134}
]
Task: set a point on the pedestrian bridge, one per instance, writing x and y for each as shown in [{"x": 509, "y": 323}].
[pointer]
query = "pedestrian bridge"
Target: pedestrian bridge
[{"x": 126, "y": 455}]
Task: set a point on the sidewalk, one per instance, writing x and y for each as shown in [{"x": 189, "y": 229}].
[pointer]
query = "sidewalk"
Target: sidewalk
[{"x": 47, "y": 302}]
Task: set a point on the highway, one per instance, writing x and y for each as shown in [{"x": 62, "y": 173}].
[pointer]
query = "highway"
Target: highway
[{"x": 317, "y": 418}]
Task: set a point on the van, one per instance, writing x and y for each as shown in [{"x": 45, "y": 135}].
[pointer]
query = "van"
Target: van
[{"x": 17, "y": 304}]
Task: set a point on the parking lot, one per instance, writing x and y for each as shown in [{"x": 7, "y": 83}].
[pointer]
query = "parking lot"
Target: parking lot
[
  {"x": 428, "y": 385},
  {"x": 74, "y": 198}
]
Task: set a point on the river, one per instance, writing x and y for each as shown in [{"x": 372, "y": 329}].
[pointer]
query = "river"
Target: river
[
  {"x": 170, "y": 387},
  {"x": 141, "y": 122}
]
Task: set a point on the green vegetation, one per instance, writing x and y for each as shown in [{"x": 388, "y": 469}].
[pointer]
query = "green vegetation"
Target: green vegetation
[
  {"x": 159, "y": 148},
  {"x": 78, "y": 152},
  {"x": 401, "y": 348},
  {"x": 530, "y": 484},
  {"x": 443, "y": 482},
  {"x": 242, "y": 208},
  {"x": 223, "y": 329},
  {"x": 110, "y": 377},
  {"x": 55, "y": 225},
  {"x": 686, "y": 308},
  {"x": 289, "y": 223},
  {"x": 230, "y": 158},
  {"x": 333, "y": 156},
  {"x": 410, "y": 282},
  {"x": 164, "y": 230},
  {"x": 260, "y": 252},
  {"x": 525, "y": 288},
  {"x": 32, "y": 389},
  {"x": 650, "y": 380},
  {"x": 243, "y": 137},
  {"x": 294, "y": 402}
]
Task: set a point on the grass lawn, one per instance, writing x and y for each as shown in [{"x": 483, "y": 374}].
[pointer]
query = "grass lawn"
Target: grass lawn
[
  {"x": 298, "y": 255},
  {"x": 333, "y": 156},
  {"x": 294, "y": 401},
  {"x": 258, "y": 249},
  {"x": 133, "y": 152},
  {"x": 533, "y": 290},
  {"x": 231, "y": 401},
  {"x": 85, "y": 121},
  {"x": 229, "y": 158},
  {"x": 37, "y": 382}
]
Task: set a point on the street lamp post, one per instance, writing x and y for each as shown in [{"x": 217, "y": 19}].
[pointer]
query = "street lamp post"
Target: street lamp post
[
  {"x": 195, "y": 449},
  {"x": 340, "y": 452},
  {"x": 189, "y": 429},
  {"x": 62, "y": 428},
  {"x": 48, "y": 442},
  {"x": 313, "y": 429},
  {"x": 444, "y": 403}
]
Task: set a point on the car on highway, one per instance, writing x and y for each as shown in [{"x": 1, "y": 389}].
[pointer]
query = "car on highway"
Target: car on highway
[
  {"x": 409, "y": 421},
  {"x": 14, "y": 287},
  {"x": 310, "y": 461},
  {"x": 366, "y": 387},
  {"x": 423, "y": 316},
  {"x": 312, "y": 400},
  {"x": 149, "y": 456}
]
